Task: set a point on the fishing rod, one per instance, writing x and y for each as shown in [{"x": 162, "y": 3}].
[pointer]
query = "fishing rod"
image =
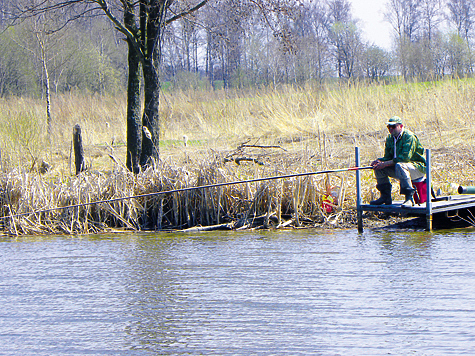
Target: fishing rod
[{"x": 188, "y": 189}]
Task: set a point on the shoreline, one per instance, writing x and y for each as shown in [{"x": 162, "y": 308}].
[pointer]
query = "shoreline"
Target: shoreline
[
  {"x": 230, "y": 136},
  {"x": 295, "y": 202}
]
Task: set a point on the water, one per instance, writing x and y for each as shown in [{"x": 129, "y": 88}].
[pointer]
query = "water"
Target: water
[{"x": 253, "y": 293}]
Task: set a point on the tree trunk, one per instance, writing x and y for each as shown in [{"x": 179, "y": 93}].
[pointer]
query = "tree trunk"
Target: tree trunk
[
  {"x": 150, "y": 120},
  {"x": 134, "y": 125},
  {"x": 151, "y": 25},
  {"x": 44, "y": 63}
]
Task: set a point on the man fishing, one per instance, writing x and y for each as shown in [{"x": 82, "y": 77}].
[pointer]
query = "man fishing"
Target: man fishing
[{"x": 403, "y": 159}]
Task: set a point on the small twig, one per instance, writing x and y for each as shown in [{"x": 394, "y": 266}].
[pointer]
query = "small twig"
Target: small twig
[{"x": 260, "y": 146}]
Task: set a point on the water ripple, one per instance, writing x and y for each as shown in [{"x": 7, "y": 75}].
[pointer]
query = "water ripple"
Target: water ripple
[{"x": 279, "y": 293}]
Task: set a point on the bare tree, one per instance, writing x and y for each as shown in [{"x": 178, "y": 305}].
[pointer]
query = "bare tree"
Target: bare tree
[
  {"x": 431, "y": 14},
  {"x": 431, "y": 18},
  {"x": 440, "y": 54},
  {"x": 462, "y": 15},
  {"x": 339, "y": 14},
  {"x": 345, "y": 36},
  {"x": 377, "y": 63},
  {"x": 319, "y": 20},
  {"x": 42, "y": 43},
  {"x": 134, "y": 120},
  {"x": 405, "y": 18},
  {"x": 41, "y": 38},
  {"x": 226, "y": 25}
]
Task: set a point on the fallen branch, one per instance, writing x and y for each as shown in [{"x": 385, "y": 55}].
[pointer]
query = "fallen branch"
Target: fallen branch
[
  {"x": 260, "y": 146},
  {"x": 240, "y": 159},
  {"x": 285, "y": 224},
  {"x": 210, "y": 228}
]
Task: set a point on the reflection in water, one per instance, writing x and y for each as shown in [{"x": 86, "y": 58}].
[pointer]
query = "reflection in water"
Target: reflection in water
[
  {"x": 155, "y": 294},
  {"x": 299, "y": 292}
]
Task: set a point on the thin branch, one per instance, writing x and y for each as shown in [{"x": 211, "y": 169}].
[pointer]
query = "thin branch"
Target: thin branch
[
  {"x": 264, "y": 13},
  {"x": 121, "y": 28},
  {"x": 44, "y": 7},
  {"x": 185, "y": 13}
]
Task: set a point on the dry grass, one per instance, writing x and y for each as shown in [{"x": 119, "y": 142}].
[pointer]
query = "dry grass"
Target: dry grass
[{"x": 308, "y": 130}]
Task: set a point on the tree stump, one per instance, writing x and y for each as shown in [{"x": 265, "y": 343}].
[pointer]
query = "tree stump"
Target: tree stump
[{"x": 78, "y": 150}]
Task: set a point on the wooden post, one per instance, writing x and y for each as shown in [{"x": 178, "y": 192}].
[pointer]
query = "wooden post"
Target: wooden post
[
  {"x": 429, "y": 190},
  {"x": 78, "y": 150},
  {"x": 359, "y": 213}
]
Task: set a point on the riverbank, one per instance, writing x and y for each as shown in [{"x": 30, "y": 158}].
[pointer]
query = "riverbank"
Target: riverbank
[
  {"x": 99, "y": 201},
  {"x": 217, "y": 137}
]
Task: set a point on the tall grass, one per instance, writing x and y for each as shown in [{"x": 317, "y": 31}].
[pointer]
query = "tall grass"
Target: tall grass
[
  {"x": 441, "y": 113},
  {"x": 269, "y": 132},
  {"x": 440, "y": 110}
]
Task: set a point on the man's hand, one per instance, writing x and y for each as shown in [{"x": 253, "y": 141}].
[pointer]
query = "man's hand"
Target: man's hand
[{"x": 378, "y": 164}]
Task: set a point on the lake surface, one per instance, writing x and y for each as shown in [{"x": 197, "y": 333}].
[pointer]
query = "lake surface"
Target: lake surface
[{"x": 307, "y": 292}]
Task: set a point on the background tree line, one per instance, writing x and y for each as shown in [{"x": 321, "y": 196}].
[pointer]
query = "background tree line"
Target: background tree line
[
  {"x": 318, "y": 40},
  {"x": 230, "y": 43}
]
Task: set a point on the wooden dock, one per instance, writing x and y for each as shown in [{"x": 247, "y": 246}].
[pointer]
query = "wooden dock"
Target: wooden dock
[{"x": 450, "y": 205}]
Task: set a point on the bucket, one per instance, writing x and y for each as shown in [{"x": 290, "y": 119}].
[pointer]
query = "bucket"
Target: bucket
[{"x": 421, "y": 191}]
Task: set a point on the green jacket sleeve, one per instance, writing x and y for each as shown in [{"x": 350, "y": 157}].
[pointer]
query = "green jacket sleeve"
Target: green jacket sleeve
[{"x": 388, "y": 149}]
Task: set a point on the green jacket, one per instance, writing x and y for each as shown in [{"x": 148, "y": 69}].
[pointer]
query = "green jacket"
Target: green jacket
[{"x": 408, "y": 149}]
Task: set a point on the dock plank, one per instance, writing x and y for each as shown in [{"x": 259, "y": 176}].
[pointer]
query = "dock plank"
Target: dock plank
[{"x": 453, "y": 202}]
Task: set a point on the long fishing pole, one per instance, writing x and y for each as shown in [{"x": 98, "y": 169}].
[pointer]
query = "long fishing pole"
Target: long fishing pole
[{"x": 187, "y": 189}]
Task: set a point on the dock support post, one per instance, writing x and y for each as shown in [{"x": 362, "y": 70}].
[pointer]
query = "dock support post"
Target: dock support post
[
  {"x": 429, "y": 190},
  {"x": 359, "y": 213}
]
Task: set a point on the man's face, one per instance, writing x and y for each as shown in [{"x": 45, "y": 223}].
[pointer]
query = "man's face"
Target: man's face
[{"x": 395, "y": 130}]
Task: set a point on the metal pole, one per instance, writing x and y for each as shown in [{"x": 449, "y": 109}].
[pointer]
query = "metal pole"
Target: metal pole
[
  {"x": 429, "y": 189},
  {"x": 359, "y": 213}
]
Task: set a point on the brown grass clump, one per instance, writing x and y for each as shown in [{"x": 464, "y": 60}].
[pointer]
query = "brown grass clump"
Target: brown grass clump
[{"x": 230, "y": 136}]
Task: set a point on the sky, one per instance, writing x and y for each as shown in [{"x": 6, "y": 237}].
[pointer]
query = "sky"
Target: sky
[{"x": 371, "y": 15}]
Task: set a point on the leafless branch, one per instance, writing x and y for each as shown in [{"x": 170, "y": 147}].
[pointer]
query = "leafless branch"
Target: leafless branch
[{"x": 185, "y": 13}]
